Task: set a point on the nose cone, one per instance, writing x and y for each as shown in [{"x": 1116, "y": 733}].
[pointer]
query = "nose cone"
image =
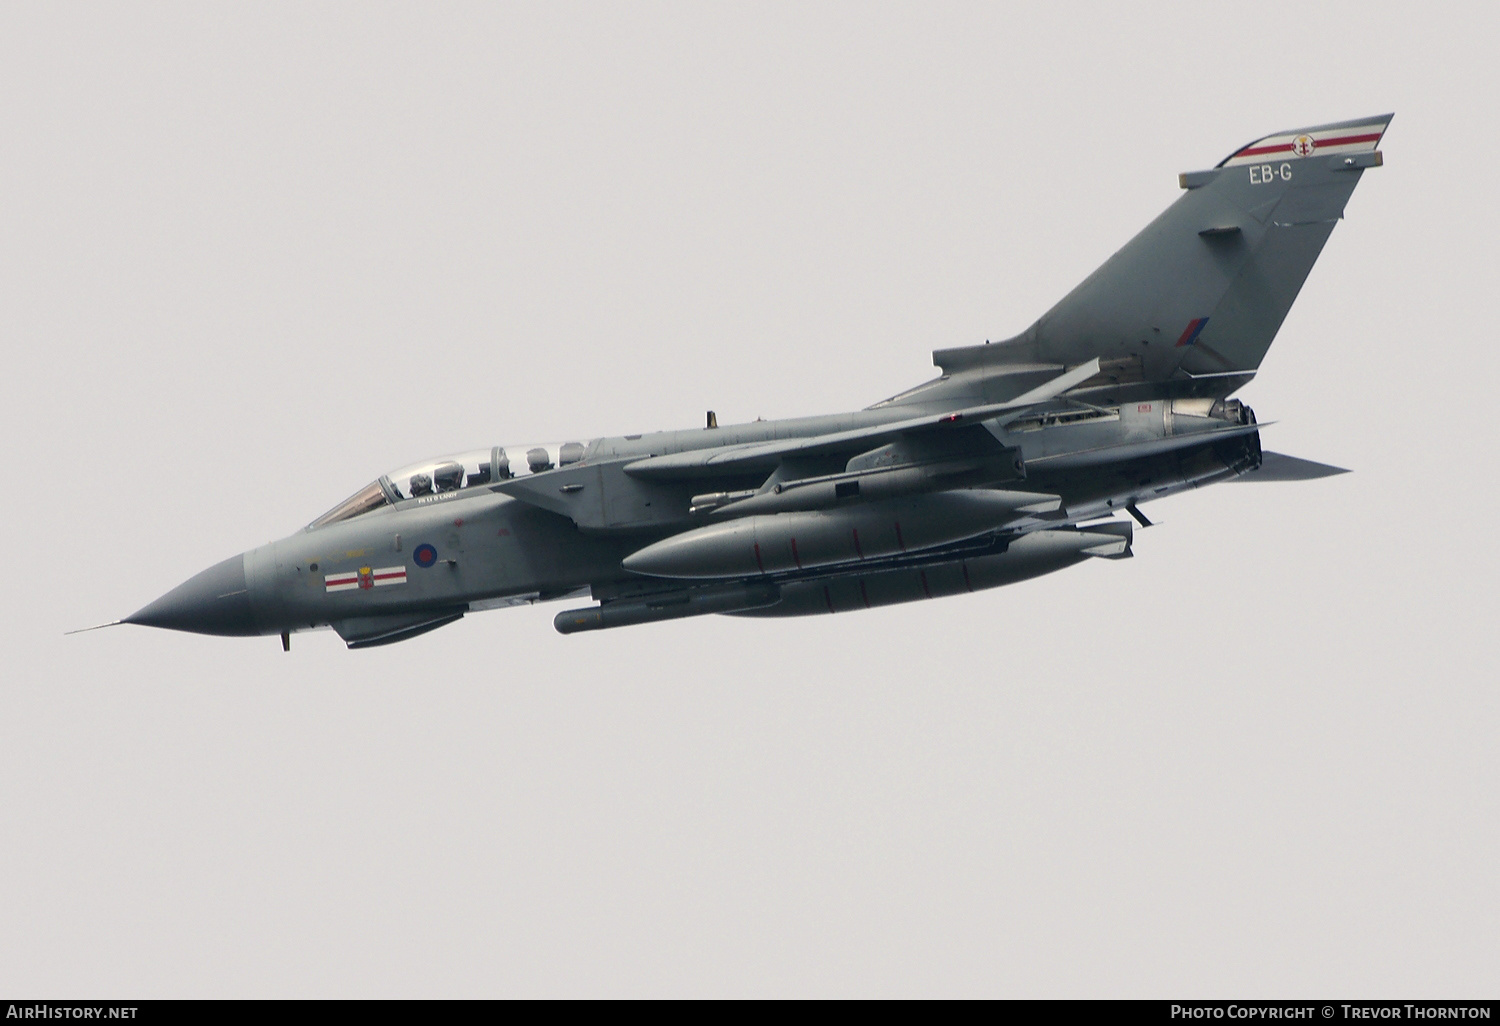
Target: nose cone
[{"x": 217, "y": 601}]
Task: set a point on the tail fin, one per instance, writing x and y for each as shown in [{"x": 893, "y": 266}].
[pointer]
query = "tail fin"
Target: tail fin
[{"x": 1196, "y": 298}]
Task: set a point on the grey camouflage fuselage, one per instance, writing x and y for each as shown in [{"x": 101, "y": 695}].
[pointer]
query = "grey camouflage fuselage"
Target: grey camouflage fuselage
[{"x": 1006, "y": 466}]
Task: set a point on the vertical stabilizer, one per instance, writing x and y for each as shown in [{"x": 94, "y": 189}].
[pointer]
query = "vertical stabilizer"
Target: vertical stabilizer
[{"x": 1197, "y": 297}]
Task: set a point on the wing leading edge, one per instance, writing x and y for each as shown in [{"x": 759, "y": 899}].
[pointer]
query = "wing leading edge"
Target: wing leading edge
[{"x": 741, "y": 458}]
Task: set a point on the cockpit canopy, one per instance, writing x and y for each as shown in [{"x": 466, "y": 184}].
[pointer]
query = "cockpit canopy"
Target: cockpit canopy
[{"x": 432, "y": 479}]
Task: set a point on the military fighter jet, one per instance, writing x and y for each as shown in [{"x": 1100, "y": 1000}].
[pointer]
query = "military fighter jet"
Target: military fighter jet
[{"x": 1010, "y": 464}]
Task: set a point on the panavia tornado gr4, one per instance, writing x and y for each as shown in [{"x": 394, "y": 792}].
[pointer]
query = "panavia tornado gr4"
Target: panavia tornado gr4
[{"x": 1012, "y": 463}]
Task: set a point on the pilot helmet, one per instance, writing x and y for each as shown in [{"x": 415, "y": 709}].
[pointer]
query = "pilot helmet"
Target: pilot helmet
[{"x": 421, "y": 484}]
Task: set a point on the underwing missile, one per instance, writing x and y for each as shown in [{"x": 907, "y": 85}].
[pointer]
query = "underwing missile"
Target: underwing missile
[
  {"x": 869, "y": 486},
  {"x": 735, "y": 598}
]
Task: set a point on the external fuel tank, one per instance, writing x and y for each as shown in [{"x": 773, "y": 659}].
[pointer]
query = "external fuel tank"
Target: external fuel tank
[
  {"x": 785, "y": 542},
  {"x": 1030, "y": 555}
]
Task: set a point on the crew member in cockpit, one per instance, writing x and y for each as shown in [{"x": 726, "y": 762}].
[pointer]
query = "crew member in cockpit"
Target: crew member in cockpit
[
  {"x": 449, "y": 477},
  {"x": 421, "y": 484}
]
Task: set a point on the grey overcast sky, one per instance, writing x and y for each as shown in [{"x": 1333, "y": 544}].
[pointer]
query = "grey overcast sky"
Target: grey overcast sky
[{"x": 256, "y": 254}]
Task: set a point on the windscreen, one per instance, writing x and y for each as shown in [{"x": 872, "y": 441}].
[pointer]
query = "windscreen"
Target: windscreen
[{"x": 371, "y": 496}]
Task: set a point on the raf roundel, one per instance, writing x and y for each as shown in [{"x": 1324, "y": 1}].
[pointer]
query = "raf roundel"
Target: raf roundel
[{"x": 424, "y": 555}]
